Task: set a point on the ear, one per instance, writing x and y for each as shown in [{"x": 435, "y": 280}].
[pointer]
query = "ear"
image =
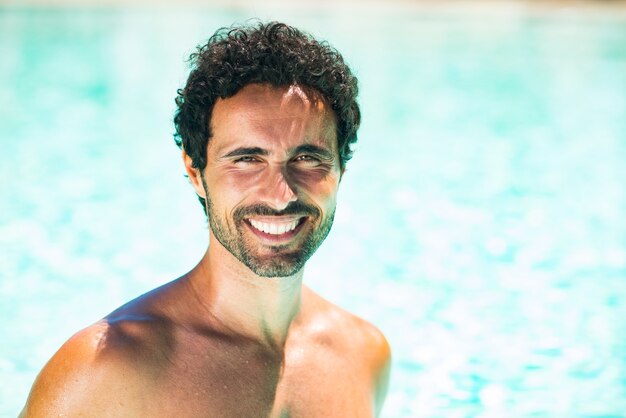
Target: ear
[{"x": 195, "y": 177}]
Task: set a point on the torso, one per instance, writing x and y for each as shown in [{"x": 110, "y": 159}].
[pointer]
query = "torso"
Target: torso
[
  {"x": 222, "y": 381},
  {"x": 187, "y": 371}
]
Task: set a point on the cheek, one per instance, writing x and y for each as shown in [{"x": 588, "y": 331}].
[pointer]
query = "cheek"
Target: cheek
[
  {"x": 319, "y": 180},
  {"x": 310, "y": 178},
  {"x": 236, "y": 181},
  {"x": 323, "y": 193}
]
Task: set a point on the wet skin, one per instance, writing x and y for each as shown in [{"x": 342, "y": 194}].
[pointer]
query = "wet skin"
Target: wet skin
[{"x": 239, "y": 335}]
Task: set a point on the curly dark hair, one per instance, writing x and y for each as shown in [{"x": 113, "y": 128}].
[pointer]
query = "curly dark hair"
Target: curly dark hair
[{"x": 271, "y": 53}]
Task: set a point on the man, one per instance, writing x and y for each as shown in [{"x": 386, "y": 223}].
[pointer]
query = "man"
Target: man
[{"x": 265, "y": 122}]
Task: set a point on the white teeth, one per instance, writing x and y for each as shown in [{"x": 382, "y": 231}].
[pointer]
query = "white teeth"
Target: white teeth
[{"x": 274, "y": 229}]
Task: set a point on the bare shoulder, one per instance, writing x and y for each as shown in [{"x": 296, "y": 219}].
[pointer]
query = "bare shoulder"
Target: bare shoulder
[
  {"x": 355, "y": 337},
  {"x": 347, "y": 329},
  {"x": 103, "y": 370},
  {"x": 79, "y": 376}
]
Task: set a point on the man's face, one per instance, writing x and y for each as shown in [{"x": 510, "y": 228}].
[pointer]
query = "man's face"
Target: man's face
[{"x": 271, "y": 177}]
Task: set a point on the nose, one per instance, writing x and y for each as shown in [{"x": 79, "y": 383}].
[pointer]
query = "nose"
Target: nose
[{"x": 276, "y": 190}]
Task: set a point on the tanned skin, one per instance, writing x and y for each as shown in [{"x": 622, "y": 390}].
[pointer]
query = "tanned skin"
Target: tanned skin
[{"x": 222, "y": 341}]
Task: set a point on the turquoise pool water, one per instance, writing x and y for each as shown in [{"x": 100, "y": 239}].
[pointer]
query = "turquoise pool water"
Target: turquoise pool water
[{"x": 480, "y": 224}]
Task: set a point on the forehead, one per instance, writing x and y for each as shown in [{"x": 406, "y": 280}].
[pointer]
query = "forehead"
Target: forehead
[{"x": 268, "y": 116}]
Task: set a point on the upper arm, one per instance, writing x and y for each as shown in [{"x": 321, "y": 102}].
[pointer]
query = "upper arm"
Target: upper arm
[
  {"x": 382, "y": 367},
  {"x": 84, "y": 378},
  {"x": 376, "y": 354}
]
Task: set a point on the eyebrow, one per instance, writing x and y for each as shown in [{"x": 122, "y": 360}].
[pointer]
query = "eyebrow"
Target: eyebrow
[
  {"x": 240, "y": 152},
  {"x": 314, "y": 149},
  {"x": 321, "y": 152}
]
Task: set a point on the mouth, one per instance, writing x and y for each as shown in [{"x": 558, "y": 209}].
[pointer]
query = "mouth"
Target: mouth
[{"x": 276, "y": 228}]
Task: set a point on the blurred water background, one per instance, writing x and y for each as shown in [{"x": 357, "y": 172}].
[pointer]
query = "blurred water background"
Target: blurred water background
[{"x": 480, "y": 224}]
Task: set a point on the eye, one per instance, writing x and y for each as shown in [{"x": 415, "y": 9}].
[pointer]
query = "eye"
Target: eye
[
  {"x": 306, "y": 159},
  {"x": 246, "y": 160}
]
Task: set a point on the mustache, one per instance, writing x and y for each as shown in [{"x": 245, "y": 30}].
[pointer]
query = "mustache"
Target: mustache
[{"x": 293, "y": 208}]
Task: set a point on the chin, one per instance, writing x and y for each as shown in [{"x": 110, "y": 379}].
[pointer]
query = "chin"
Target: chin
[{"x": 275, "y": 266}]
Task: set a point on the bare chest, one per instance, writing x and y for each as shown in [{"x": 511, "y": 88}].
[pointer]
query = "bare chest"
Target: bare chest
[{"x": 305, "y": 382}]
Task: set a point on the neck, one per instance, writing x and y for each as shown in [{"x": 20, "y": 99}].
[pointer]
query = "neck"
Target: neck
[{"x": 239, "y": 302}]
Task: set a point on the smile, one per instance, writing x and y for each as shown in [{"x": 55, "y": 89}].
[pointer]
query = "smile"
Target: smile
[{"x": 275, "y": 227}]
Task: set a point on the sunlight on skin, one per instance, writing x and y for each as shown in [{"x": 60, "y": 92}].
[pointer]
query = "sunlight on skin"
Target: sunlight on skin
[
  {"x": 294, "y": 115},
  {"x": 263, "y": 342},
  {"x": 255, "y": 157},
  {"x": 277, "y": 123}
]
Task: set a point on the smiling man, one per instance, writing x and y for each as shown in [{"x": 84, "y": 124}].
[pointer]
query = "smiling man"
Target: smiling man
[{"x": 265, "y": 122}]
